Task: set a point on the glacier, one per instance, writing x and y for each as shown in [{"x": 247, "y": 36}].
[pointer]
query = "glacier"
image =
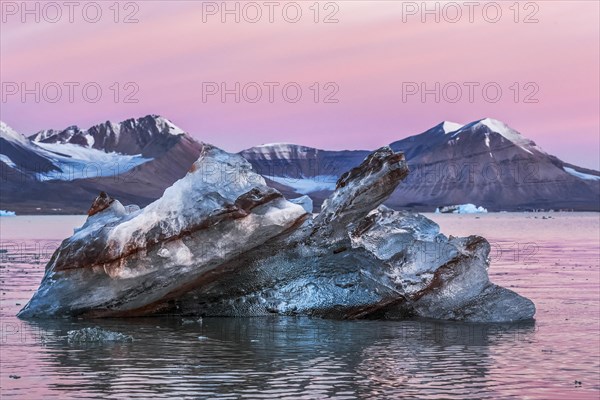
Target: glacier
[
  {"x": 78, "y": 162},
  {"x": 220, "y": 242}
]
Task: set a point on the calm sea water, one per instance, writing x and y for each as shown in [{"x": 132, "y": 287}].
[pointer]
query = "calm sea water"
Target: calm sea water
[{"x": 553, "y": 261}]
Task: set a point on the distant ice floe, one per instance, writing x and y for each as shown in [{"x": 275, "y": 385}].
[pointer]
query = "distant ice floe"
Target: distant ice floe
[
  {"x": 461, "y": 209},
  {"x": 6, "y": 213}
]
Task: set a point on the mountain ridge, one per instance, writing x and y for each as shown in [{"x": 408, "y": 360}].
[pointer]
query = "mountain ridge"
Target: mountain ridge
[
  {"x": 484, "y": 162},
  {"x": 58, "y": 175}
]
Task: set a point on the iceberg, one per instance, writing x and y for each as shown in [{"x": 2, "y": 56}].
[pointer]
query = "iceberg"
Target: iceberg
[
  {"x": 305, "y": 201},
  {"x": 461, "y": 209},
  {"x": 222, "y": 243}
]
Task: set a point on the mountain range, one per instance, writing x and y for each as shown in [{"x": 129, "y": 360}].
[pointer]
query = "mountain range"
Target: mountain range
[
  {"x": 485, "y": 162},
  {"x": 60, "y": 172}
]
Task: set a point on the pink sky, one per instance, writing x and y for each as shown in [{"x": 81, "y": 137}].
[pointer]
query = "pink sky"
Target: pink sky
[{"x": 369, "y": 54}]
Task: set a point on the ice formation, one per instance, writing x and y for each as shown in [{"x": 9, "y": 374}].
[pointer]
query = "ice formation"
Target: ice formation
[
  {"x": 96, "y": 334},
  {"x": 461, "y": 209},
  {"x": 221, "y": 243}
]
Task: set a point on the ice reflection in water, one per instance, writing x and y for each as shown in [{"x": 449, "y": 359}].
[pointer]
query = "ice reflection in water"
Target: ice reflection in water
[{"x": 275, "y": 356}]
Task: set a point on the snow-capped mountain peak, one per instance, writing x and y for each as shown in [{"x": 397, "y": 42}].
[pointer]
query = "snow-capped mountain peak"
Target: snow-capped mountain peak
[
  {"x": 43, "y": 135},
  {"x": 60, "y": 136},
  {"x": 9, "y": 134},
  {"x": 107, "y": 148},
  {"x": 161, "y": 153},
  {"x": 449, "y": 126},
  {"x": 506, "y": 131},
  {"x": 489, "y": 126},
  {"x": 510, "y": 134},
  {"x": 173, "y": 129},
  {"x": 128, "y": 137}
]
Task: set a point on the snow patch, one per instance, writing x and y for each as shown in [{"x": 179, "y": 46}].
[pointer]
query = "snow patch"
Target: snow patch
[
  {"x": 487, "y": 143},
  {"x": 581, "y": 175},
  {"x": 449, "y": 127},
  {"x": 90, "y": 140},
  {"x": 6, "y": 160}
]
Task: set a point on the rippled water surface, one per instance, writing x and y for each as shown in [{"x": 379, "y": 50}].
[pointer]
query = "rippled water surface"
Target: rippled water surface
[{"x": 553, "y": 261}]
